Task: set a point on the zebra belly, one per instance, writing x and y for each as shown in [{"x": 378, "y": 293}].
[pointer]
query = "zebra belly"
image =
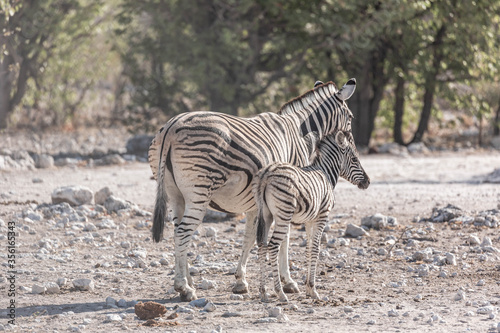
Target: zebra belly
[{"x": 234, "y": 196}]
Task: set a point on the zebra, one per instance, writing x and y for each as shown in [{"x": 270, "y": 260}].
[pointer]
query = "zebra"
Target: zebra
[
  {"x": 290, "y": 194},
  {"x": 206, "y": 159}
]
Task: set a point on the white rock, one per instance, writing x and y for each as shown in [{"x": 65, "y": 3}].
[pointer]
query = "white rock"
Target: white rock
[
  {"x": 486, "y": 242},
  {"x": 84, "y": 284},
  {"x": 89, "y": 227},
  {"x": 459, "y": 296},
  {"x": 393, "y": 313},
  {"x": 110, "y": 301},
  {"x": 106, "y": 224},
  {"x": 486, "y": 310},
  {"x": 113, "y": 318},
  {"x": 275, "y": 312},
  {"x": 38, "y": 289},
  {"x": 74, "y": 195},
  {"x": 417, "y": 148},
  {"x": 236, "y": 297},
  {"x": 355, "y": 231},
  {"x": 473, "y": 240},
  {"x": 44, "y": 161},
  {"x": 52, "y": 288},
  {"x": 451, "y": 259},
  {"x": 61, "y": 282},
  {"x": 207, "y": 284},
  {"x": 210, "y": 307},
  {"x": 348, "y": 309},
  {"x": 101, "y": 195},
  {"x": 210, "y": 232},
  {"x": 199, "y": 303},
  {"x": 114, "y": 204}
]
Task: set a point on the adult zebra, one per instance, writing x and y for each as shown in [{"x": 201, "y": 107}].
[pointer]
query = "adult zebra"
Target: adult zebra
[{"x": 208, "y": 159}]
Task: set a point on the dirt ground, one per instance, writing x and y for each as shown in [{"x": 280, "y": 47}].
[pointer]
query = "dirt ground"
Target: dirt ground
[{"x": 362, "y": 288}]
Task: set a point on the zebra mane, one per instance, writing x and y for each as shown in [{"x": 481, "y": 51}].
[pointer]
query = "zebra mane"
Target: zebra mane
[{"x": 310, "y": 98}]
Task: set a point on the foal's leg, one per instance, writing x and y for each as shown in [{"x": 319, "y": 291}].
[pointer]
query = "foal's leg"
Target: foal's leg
[
  {"x": 281, "y": 229},
  {"x": 289, "y": 285},
  {"x": 315, "y": 230}
]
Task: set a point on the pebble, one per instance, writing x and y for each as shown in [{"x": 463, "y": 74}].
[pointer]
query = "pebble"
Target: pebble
[
  {"x": 113, "y": 318},
  {"x": 114, "y": 204},
  {"x": 451, "y": 259},
  {"x": 481, "y": 283},
  {"x": 184, "y": 309},
  {"x": 348, "y": 309},
  {"x": 52, "y": 288},
  {"x": 236, "y": 297},
  {"x": 459, "y": 296},
  {"x": 355, "y": 231},
  {"x": 84, "y": 284},
  {"x": 209, "y": 307},
  {"x": 473, "y": 240},
  {"x": 393, "y": 313},
  {"x": 417, "y": 298},
  {"x": 210, "y": 232},
  {"x": 74, "y": 195},
  {"x": 101, "y": 195},
  {"x": 38, "y": 289},
  {"x": 199, "y": 303},
  {"x": 275, "y": 312},
  {"x": 207, "y": 284},
  {"x": 110, "y": 301},
  {"x": 379, "y": 221}
]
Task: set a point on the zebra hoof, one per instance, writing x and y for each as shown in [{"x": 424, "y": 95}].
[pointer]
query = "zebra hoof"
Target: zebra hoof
[
  {"x": 291, "y": 288},
  {"x": 240, "y": 288},
  {"x": 188, "y": 296}
]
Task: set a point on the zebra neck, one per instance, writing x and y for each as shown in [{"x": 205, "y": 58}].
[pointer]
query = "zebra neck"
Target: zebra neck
[
  {"x": 320, "y": 119},
  {"x": 330, "y": 167}
]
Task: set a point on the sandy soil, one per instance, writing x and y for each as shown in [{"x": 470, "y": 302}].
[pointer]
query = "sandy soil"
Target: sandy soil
[{"x": 360, "y": 287}]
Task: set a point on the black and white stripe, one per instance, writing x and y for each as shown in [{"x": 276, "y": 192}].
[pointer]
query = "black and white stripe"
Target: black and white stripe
[
  {"x": 290, "y": 194},
  {"x": 208, "y": 159}
]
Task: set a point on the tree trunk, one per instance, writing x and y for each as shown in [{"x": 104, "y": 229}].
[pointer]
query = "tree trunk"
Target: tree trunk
[
  {"x": 364, "y": 104},
  {"x": 399, "y": 104},
  {"x": 5, "y": 91},
  {"x": 430, "y": 87},
  {"x": 496, "y": 125}
]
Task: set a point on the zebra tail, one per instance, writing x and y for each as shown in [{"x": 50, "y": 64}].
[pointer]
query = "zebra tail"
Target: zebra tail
[
  {"x": 160, "y": 211},
  {"x": 261, "y": 221}
]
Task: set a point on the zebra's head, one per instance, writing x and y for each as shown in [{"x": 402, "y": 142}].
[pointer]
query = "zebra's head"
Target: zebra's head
[{"x": 337, "y": 152}]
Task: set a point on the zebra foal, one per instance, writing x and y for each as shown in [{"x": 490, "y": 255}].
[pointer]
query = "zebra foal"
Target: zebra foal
[{"x": 303, "y": 196}]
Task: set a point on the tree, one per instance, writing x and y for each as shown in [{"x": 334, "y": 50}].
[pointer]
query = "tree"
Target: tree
[
  {"x": 33, "y": 32},
  {"x": 221, "y": 55}
]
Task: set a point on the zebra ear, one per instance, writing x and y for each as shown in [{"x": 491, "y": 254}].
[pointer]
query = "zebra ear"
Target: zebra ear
[
  {"x": 317, "y": 83},
  {"x": 347, "y": 90},
  {"x": 341, "y": 139}
]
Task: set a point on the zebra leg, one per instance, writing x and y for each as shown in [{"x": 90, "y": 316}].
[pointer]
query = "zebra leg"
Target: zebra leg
[
  {"x": 281, "y": 229},
  {"x": 290, "y": 286},
  {"x": 193, "y": 216},
  {"x": 241, "y": 286},
  {"x": 264, "y": 296},
  {"x": 313, "y": 244}
]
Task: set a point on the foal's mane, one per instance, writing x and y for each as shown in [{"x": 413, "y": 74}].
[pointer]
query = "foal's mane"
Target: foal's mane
[{"x": 308, "y": 98}]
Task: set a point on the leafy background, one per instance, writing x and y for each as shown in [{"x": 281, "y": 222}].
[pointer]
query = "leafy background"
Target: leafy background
[{"x": 422, "y": 67}]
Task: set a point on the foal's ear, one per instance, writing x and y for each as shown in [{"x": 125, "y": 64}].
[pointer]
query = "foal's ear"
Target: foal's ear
[
  {"x": 341, "y": 139},
  {"x": 317, "y": 83},
  {"x": 347, "y": 90}
]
